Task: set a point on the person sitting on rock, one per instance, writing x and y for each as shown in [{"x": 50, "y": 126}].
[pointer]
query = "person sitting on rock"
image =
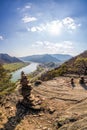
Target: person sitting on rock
[
  {"x": 72, "y": 81},
  {"x": 81, "y": 81}
]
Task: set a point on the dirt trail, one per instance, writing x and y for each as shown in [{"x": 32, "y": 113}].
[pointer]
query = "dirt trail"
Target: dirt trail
[{"x": 65, "y": 108}]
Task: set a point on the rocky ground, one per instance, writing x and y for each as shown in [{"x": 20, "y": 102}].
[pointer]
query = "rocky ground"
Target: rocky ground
[{"x": 58, "y": 105}]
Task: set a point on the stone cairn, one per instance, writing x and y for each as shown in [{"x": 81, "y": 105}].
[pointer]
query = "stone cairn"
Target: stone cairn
[
  {"x": 28, "y": 99},
  {"x": 25, "y": 90}
]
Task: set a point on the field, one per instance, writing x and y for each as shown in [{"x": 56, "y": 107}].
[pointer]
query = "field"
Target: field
[{"x": 15, "y": 66}]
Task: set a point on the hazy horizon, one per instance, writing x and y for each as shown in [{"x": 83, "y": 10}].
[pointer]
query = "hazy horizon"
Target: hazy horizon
[
  {"x": 32, "y": 27},
  {"x": 38, "y": 54}
]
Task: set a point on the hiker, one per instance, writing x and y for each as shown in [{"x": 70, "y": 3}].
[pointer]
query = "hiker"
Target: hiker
[
  {"x": 81, "y": 81},
  {"x": 72, "y": 81}
]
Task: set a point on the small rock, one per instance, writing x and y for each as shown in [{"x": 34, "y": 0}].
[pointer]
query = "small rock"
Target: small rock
[
  {"x": 38, "y": 82},
  {"x": 41, "y": 114},
  {"x": 44, "y": 128},
  {"x": 51, "y": 110}
]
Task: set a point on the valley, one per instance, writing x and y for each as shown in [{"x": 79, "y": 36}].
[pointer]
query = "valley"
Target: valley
[
  {"x": 57, "y": 104},
  {"x": 15, "y": 66}
]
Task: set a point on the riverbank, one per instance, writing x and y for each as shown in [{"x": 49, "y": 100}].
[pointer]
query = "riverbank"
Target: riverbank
[
  {"x": 15, "y": 66},
  {"x": 27, "y": 69}
]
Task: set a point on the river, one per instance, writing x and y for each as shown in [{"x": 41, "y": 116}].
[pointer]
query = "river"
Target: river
[{"x": 28, "y": 69}]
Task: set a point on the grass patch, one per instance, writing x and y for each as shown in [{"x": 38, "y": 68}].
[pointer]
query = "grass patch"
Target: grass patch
[
  {"x": 14, "y": 66},
  {"x": 7, "y": 90}
]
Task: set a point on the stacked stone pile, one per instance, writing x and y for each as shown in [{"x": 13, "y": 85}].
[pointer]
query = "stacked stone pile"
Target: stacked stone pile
[{"x": 28, "y": 99}]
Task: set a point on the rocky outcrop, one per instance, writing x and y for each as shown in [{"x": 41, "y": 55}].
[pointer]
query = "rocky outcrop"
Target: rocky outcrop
[{"x": 53, "y": 105}]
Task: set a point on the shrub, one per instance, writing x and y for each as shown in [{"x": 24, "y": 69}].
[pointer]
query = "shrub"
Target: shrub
[{"x": 6, "y": 85}]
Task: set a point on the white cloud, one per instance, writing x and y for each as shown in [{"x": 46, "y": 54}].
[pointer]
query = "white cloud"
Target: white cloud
[
  {"x": 40, "y": 28},
  {"x": 56, "y": 27},
  {"x": 33, "y": 29},
  {"x": 27, "y": 7},
  {"x": 69, "y": 23},
  {"x": 1, "y": 37},
  {"x": 53, "y": 27},
  {"x": 27, "y": 19},
  {"x": 51, "y": 47}
]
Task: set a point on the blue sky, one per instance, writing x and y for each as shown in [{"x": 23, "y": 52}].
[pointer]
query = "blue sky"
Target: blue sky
[{"x": 29, "y": 27}]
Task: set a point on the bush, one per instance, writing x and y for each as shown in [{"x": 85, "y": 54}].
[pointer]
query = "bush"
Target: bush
[{"x": 6, "y": 85}]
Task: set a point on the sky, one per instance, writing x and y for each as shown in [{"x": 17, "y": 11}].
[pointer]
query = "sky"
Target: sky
[{"x": 30, "y": 27}]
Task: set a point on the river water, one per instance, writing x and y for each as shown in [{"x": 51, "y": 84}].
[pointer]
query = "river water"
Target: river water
[{"x": 28, "y": 69}]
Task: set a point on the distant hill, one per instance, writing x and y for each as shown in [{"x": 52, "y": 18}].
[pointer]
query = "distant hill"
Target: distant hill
[
  {"x": 46, "y": 58},
  {"x": 5, "y": 58},
  {"x": 76, "y": 65},
  {"x": 40, "y": 58},
  {"x": 72, "y": 60},
  {"x": 62, "y": 57}
]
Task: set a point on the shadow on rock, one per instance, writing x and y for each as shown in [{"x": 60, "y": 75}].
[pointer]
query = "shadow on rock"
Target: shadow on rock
[
  {"x": 84, "y": 86},
  {"x": 73, "y": 86},
  {"x": 21, "y": 112},
  {"x": 24, "y": 107}
]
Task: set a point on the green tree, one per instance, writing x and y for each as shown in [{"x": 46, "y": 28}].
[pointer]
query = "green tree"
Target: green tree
[
  {"x": 6, "y": 85},
  {"x": 62, "y": 70},
  {"x": 81, "y": 65}
]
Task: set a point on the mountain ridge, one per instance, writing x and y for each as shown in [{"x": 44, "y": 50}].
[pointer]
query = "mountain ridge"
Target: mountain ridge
[
  {"x": 44, "y": 58},
  {"x": 5, "y": 58},
  {"x": 62, "y": 57}
]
